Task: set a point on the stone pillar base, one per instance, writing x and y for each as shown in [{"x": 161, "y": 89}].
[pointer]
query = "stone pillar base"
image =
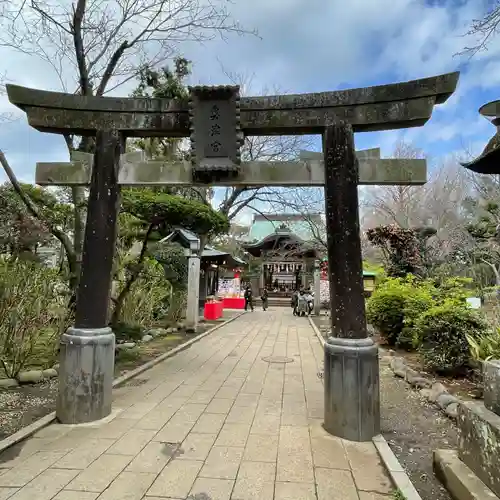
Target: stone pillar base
[
  {"x": 491, "y": 373},
  {"x": 352, "y": 399},
  {"x": 86, "y": 370}
]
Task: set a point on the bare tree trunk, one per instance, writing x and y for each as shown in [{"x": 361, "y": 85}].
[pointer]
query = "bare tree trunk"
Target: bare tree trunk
[
  {"x": 136, "y": 272},
  {"x": 78, "y": 197},
  {"x": 496, "y": 272},
  {"x": 35, "y": 212}
]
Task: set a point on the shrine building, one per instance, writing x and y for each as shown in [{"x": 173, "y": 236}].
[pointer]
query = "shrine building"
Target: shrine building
[{"x": 286, "y": 246}]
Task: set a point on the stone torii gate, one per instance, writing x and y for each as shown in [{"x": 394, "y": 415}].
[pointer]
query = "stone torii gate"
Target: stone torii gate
[{"x": 216, "y": 120}]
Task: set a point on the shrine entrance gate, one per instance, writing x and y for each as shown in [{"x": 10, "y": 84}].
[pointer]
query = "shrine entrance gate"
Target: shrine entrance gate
[{"x": 216, "y": 120}]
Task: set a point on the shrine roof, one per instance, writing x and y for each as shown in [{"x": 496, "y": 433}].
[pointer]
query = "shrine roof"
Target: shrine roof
[
  {"x": 186, "y": 238},
  {"x": 282, "y": 241},
  {"x": 487, "y": 161},
  {"x": 296, "y": 224},
  {"x": 213, "y": 253}
]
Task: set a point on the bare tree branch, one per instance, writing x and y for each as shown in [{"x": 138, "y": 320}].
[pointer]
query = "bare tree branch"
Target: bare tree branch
[
  {"x": 101, "y": 43},
  {"x": 439, "y": 204},
  {"x": 97, "y": 45},
  {"x": 76, "y": 31},
  {"x": 484, "y": 30},
  {"x": 33, "y": 209}
]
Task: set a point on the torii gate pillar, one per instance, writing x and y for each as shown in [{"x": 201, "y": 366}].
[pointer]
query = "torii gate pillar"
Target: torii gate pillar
[
  {"x": 88, "y": 349},
  {"x": 352, "y": 401}
]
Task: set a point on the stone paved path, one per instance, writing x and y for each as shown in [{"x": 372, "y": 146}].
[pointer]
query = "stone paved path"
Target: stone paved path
[{"x": 215, "y": 422}]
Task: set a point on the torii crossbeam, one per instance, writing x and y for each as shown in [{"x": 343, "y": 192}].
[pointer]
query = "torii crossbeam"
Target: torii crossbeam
[{"x": 136, "y": 170}]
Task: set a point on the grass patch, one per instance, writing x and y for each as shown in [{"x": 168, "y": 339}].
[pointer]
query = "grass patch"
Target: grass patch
[
  {"x": 127, "y": 355},
  {"x": 128, "y": 359},
  {"x": 398, "y": 495}
]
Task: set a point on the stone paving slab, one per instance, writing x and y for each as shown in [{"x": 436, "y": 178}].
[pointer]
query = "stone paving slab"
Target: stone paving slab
[{"x": 215, "y": 422}]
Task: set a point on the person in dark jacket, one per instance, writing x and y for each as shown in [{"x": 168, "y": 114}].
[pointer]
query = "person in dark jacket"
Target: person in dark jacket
[
  {"x": 248, "y": 298},
  {"x": 295, "y": 300},
  {"x": 264, "y": 297}
]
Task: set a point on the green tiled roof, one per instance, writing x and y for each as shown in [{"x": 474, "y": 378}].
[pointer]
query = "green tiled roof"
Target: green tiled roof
[{"x": 262, "y": 227}]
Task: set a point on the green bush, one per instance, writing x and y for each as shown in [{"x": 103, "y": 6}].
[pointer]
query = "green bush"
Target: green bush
[
  {"x": 397, "y": 304},
  {"x": 485, "y": 346},
  {"x": 443, "y": 332},
  {"x": 385, "y": 311},
  {"x": 394, "y": 307},
  {"x": 123, "y": 331},
  {"x": 407, "y": 339},
  {"x": 452, "y": 290},
  {"x": 176, "y": 305},
  {"x": 145, "y": 304},
  {"x": 418, "y": 299},
  {"x": 32, "y": 316}
]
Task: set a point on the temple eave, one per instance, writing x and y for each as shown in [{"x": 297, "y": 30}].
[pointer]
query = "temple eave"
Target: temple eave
[
  {"x": 488, "y": 163},
  {"x": 258, "y": 251}
]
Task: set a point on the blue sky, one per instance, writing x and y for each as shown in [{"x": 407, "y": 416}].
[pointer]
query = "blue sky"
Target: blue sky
[{"x": 307, "y": 46}]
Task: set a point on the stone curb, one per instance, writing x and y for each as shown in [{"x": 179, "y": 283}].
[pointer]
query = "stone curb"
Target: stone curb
[
  {"x": 39, "y": 424},
  {"x": 317, "y": 332},
  {"x": 434, "y": 392},
  {"x": 399, "y": 477},
  {"x": 458, "y": 479}
]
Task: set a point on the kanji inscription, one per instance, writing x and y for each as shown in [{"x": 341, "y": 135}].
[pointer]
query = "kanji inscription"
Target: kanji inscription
[{"x": 215, "y": 131}]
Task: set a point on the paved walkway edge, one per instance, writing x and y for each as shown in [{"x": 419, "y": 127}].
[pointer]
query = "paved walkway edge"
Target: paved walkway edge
[
  {"x": 391, "y": 463},
  {"x": 29, "y": 430},
  {"x": 398, "y": 475},
  {"x": 316, "y": 331}
]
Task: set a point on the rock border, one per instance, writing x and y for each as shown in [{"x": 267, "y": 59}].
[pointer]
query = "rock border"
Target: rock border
[
  {"x": 39, "y": 424},
  {"x": 399, "y": 477},
  {"x": 30, "y": 377},
  {"x": 434, "y": 392}
]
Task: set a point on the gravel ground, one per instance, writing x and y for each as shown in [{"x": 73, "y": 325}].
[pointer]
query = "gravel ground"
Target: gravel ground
[
  {"x": 23, "y": 405},
  {"x": 414, "y": 429}
]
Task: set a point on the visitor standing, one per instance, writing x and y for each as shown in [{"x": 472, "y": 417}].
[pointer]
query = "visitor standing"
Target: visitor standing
[
  {"x": 264, "y": 297},
  {"x": 248, "y": 298},
  {"x": 310, "y": 301},
  {"x": 294, "y": 302}
]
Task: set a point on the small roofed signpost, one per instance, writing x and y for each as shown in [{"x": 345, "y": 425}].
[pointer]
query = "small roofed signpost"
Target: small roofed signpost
[
  {"x": 192, "y": 253},
  {"x": 217, "y": 129}
]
